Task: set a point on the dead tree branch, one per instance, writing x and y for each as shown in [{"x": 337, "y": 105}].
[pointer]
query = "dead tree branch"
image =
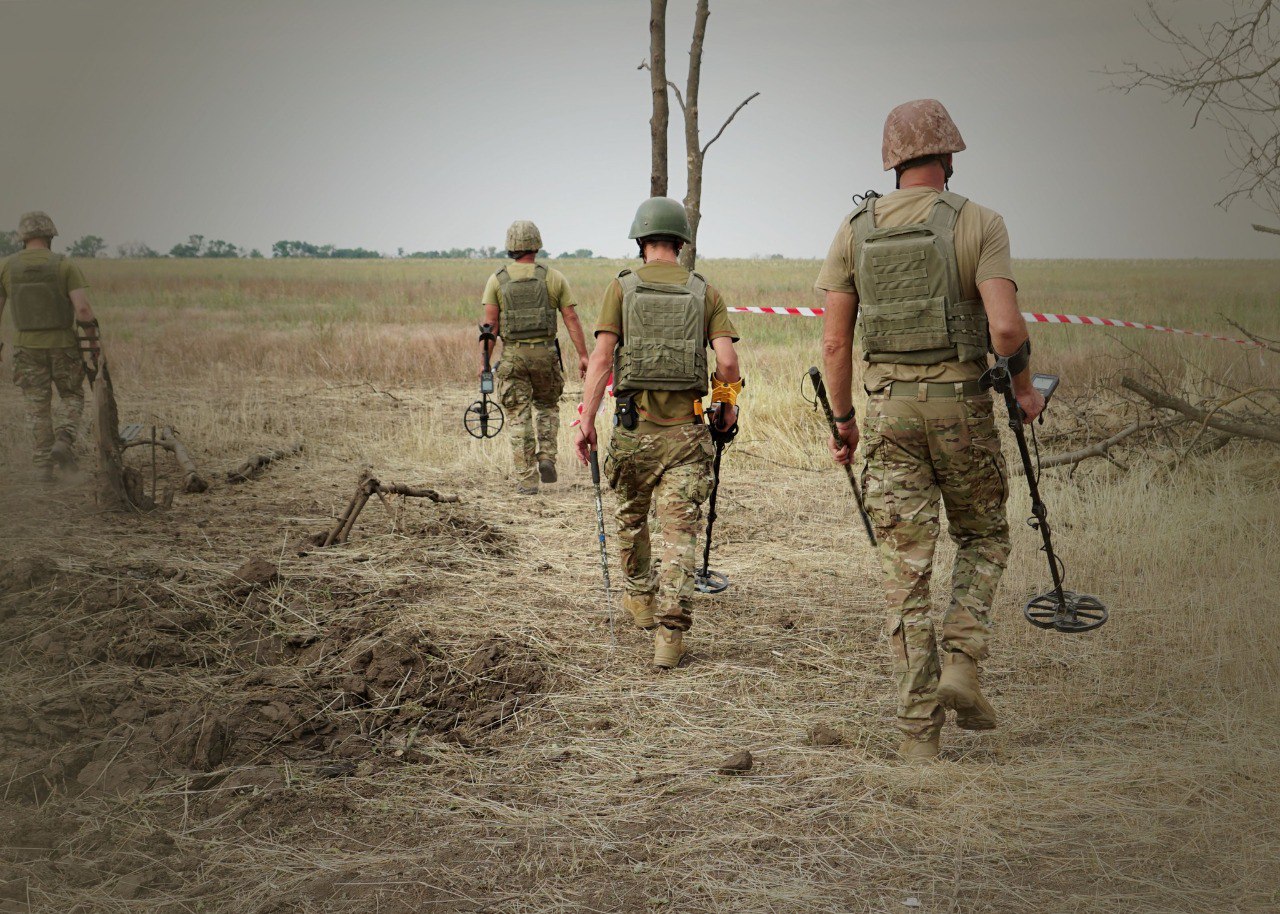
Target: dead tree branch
[
  {"x": 1100, "y": 448},
  {"x": 1227, "y": 73},
  {"x": 658, "y": 88},
  {"x": 1266, "y": 228},
  {"x": 1208, "y": 418},
  {"x": 728, "y": 121},
  {"x": 167, "y": 438},
  {"x": 252, "y": 467},
  {"x": 366, "y": 489},
  {"x": 1268, "y": 344}
]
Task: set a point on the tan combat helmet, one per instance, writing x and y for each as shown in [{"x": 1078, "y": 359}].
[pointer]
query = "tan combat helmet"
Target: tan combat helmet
[
  {"x": 523, "y": 235},
  {"x": 36, "y": 225},
  {"x": 919, "y": 128}
]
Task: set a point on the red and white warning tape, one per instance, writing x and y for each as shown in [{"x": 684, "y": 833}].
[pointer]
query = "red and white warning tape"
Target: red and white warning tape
[{"x": 1039, "y": 319}]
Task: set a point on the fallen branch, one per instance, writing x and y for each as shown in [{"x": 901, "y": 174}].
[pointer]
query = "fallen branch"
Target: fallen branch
[
  {"x": 1100, "y": 448},
  {"x": 366, "y": 489},
  {"x": 1266, "y": 228},
  {"x": 255, "y": 464},
  {"x": 1268, "y": 344},
  {"x": 1228, "y": 426}
]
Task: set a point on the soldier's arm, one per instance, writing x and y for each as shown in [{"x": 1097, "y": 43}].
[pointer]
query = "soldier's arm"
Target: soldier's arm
[
  {"x": 572, "y": 323},
  {"x": 598, "y": 367},
  {"x": 838, "y": 321},
  {"x": 1008, "y": 334},
  {"x": 80, "y": 301},
  {"x": 492, "y": 317}
]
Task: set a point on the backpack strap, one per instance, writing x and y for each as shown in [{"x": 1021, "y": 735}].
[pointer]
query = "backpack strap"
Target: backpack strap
[
  {"x": 863, "y": 220},
  {"x": 540, "y": 271},
  {"x": 946, "y": 210}
]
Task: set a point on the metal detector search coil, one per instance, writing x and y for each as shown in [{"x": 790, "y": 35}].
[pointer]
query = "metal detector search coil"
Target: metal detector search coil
[
  {"x": 484, "y": 418},
  {"x": 1058, "y": 609}
]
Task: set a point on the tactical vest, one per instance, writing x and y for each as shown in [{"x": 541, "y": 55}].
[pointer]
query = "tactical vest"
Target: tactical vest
[
  {"x": 37, "y": 294},
  {"x": 909, "y": 294},
  {"x": 664, "y": 336},
  {"x": 526, "y": 306}
]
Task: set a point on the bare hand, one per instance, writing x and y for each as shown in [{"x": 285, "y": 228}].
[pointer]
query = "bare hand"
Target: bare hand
[
  {"x": 725, "y": 417},
  {"x": 1031, "y": 401},
  {"x": 582, "y": 367},
  {"x": 585, "y": 441},
  {"x": 842, "y": 449}
]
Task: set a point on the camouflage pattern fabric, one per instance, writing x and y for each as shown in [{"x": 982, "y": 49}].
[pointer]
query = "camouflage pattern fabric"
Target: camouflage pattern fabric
[
  {"x": 531, "y": 377},
  {"x": 916, "y": 455},
  {"x": 668, "y": 470},
  {"x": 37, "y": 371},
  {"x": 918, "y": 128}
]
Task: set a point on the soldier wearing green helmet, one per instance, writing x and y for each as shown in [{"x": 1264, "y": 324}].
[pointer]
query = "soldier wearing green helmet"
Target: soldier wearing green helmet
[
  {"x": 521, "y": 302},
  {"x": 655, "y": 326},
  {"x": 49, "y": 301},
  {"x": 927, "y": 273}
]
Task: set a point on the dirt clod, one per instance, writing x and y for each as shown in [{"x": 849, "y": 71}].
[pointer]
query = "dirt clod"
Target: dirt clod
[
  {"x": 822, "y": 735},
  {"x": 738, "y": 763},
  {"x": 256, "y": 572}
]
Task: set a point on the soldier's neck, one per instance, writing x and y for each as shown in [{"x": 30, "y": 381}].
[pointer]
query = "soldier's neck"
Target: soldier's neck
[{"x": 36, "y": 244}]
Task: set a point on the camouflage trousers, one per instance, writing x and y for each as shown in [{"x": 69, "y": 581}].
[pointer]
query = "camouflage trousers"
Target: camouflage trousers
[
  {"x": 917, "y": 454},
  {"x": 531, "y": 377},
  {"x": 37, "y": 372},
  {"x": 668, "y": 470}
]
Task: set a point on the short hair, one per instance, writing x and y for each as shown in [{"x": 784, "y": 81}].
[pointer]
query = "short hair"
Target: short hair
[
  {"x": 670, "y": 240},
  {"x": 516, "y": 255}
]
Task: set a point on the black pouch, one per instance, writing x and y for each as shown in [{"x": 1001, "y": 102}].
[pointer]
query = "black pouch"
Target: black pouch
[{"x": 626, "y": 415}]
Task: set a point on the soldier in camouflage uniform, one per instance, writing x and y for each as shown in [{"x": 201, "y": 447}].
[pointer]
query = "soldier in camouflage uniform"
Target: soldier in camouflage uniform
[
  {"x": 521, "y": 301},
  {"x": 49, "y": 299},
  {"x": 928, "y": 274},
  {"x": 655, "y": 325}
]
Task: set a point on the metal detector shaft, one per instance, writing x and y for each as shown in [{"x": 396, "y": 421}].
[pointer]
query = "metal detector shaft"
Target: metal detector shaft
[
  {"x": 711, "y": 508},
  {"x": 604, "y": 552},
  {"x": 820, "y": 391},
  {"x": 1038, "y": 509}
]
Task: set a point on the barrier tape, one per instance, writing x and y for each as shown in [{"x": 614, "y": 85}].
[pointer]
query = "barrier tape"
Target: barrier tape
[{"x": 1032, "y": 316}]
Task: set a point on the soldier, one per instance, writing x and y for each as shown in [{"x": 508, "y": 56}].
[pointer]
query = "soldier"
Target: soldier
[
  {"x": 929, "y": 274},
  {"x": 50, "y": 301},
  {"x": 521, "y": 301},
  {"x": 654, "y": 329}
]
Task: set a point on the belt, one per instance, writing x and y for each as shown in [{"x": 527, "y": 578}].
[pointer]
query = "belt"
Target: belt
[
  {"x": 932, "y": 390},
  {"x": 528, "y": 342}
]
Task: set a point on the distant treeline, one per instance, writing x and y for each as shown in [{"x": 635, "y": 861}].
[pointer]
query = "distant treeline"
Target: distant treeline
[{"x": 91, "y": 246}]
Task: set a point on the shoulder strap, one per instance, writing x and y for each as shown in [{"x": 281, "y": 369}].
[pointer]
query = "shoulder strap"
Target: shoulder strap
[
  {"x": 540, "y": 271},
  {"x": 628, "y": 280},
  {"x": 946, "y": 209},
  {"x": 863, "y": 220},
  {"x": 697, "y": 284},
  {"x": 503, "y": 276}
]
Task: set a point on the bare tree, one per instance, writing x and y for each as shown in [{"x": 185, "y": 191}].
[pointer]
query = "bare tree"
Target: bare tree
[
  {"x": 695, "y": 149},
  {"x": 1229, "y": 73}
]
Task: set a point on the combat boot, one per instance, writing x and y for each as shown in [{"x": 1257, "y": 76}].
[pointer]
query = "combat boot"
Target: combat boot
[
  {"x": 915, "y": 751},
  {"x": 63, "y": 454},
  {"x": 640, "y": 605},
  {"x": 958, "y": 690},
  {"x": 668, "y": 647},
  {"x": 547, "y": 470},
  {"x": 528, "y": 485}
]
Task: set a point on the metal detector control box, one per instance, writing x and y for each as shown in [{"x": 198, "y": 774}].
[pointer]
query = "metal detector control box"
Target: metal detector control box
[
  {"x": 1046, "y": 384},
  {"x": 486, "y": 382}
]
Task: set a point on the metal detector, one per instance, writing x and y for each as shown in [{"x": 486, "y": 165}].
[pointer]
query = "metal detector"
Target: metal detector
[
  {"x": 704, "y": 579},
  {"x": 484, "y": 418},
  {"x": 1059, "y": 609}
]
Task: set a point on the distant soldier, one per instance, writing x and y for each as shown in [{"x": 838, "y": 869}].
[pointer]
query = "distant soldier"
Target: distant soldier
[
  {"x": 654, "y": 329},
  {"x": 521, "y": 301},
  {"x": 49, "y": 298},
  {"x": 928, "y": 273}
]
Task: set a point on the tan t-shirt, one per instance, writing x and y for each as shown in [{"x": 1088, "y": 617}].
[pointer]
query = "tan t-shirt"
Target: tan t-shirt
[
  {"x": 665, "y": 407},
  {"x": 982, "y": 253},
  {"x": 557, "y": 289},
  {"x": 70, "y": 278}
]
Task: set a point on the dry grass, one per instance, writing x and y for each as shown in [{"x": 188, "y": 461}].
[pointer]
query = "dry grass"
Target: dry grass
[{"x": 1136, "y": 768}]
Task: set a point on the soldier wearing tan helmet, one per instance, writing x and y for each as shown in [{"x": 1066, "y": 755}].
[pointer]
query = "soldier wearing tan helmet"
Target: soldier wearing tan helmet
[
  {"x": 521, "y": 301},
  {"x": 49, "y": 301},
  {"x": 928, "y": 274},
  {"x": 656, "y": 323}
]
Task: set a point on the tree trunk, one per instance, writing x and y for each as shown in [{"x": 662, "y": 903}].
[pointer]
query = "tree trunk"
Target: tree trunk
[
  {"x": 692, "y": 142},
  {"x": 658, "y": 85}
]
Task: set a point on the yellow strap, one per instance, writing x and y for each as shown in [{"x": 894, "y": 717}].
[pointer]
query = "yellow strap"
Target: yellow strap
[{"x": 722, "y": 392}]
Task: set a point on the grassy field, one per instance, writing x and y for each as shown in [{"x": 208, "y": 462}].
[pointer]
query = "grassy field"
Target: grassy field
[{"x": 434, "y": 717}]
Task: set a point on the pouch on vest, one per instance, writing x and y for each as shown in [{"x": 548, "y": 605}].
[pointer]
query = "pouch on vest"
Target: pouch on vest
[
  {"x": 909, "y": 293},
  {"x": 664, "y": 338},
  {"x": 526, "y": 306},
  {"x": 37, "y": 296}
]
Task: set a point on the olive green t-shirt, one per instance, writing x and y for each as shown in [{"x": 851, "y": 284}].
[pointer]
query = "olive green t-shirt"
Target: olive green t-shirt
[
  {"x": 69, "y": 277},
  {"x": 982, "y": 253},
  {"x": 557, "y": 290},
  {"x": 665, "y": 407}
]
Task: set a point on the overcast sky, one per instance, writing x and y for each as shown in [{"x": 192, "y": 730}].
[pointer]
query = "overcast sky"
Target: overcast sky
[{"x": 415, "y": 124}]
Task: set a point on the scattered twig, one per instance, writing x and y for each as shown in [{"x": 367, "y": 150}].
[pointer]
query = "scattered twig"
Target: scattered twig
[
  {"x": 167, "y": 438},
  {"x": 1101, "y": 448}
]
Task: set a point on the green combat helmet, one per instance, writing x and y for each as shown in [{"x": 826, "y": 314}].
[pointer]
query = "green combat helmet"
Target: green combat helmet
[
  {"x": 661, "y": 216},
  {"x": 36, "y": 225},
  {"x": 523, "y": 235}
]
